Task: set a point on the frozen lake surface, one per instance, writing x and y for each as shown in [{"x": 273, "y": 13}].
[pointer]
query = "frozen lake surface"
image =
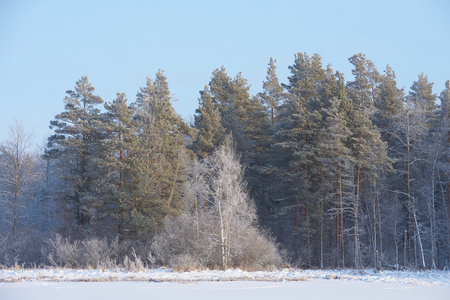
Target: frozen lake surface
[
  {"x": 235, "y": 290},
  {"x": 236, "y": 284}
]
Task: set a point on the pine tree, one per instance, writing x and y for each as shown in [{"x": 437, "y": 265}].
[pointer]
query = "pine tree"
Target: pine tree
[
  {"x": 336, "y": 174},
  {"x": 364, "y": 89},
  {"x": 228, "y": 110},
  {"x": 238, "y": 119},
  {"x": 232, "y": 99},
  {"x": 114, "y": 168},
  {"x": 207, "y": 122},
  {"x": 388, "y": 104},
  {"x": 445, "y": 102},
  {"x": 443, "y": 173},
  {"x": 422, "y": 97},
  {"x": 370, "y": 158},
  {"x": 407, "y": 132},
  {"x": 272, "y": 94},
  {"x": 389, "y": 107},
  {"x": 417, "y": 151},
  {"x": 421, "y": 160},
  {"x": 258, "y": 132},
  {"x": 75, "y": 132},
  {"x": 157, "y": 118},
  {"x": 368, "y": 150},
  {"x": 294, "y": 143}
]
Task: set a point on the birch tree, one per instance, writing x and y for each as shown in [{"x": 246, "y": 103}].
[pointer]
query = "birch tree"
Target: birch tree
[
  {"x": 218, "y": 226},
  {"x": 18, "y": 171}
]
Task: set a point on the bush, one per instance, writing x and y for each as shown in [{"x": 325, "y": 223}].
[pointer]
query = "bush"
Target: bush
[
  {"x": 184, "y": 263},
  {"x": 134, "y": 263},
  {"x": 100, "y": 254},
  {"x": 63, "y": 253},
  {"x": 179, "y": 247},
  {"x": 256, "y": 250},
  {"x": 94, "y": 253},
  {"x": 24, "y": 251},
  {"x": 6, "y": 250}
]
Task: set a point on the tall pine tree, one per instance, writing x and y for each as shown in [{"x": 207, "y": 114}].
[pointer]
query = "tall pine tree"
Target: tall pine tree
[{"x": 75, "y": 132}]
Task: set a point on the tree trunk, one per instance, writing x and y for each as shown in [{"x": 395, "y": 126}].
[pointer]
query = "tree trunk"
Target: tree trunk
[
  {"x": 16, "y": 198},
  {"x": 308, "y": 237},
  {"x": 380, "y": 224},
  {"x": 374, "y": 227},
  {"x": 340, "y": 225},
  {"x": 356, "y": 228},
  {"x": 222, "y": 236}
]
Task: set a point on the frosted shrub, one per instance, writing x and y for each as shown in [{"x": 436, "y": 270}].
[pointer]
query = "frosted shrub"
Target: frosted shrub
[
  {"x": 24, "y": 251},
  {"x": 92, "y": 253},
  {"x": 139, "y": 264},
  {"x": 184, "y": 263},
  {"x": 98, "y": 254},
  {"x": 255, "y": 249},
  {"x": 151, "y": 259},
  {"x": 177, "y": 240},
  {"x": 134, "y": 264},
  {"x": 4, "y": 251},
  {"x": 128, "y": 264},
  {"x": 63, "y": 253}
]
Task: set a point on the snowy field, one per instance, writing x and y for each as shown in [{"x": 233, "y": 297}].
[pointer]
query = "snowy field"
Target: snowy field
[{"x": 231, "y": 284}]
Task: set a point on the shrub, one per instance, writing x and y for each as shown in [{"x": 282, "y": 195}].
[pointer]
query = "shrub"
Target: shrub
[
  {"x": 99, "y": 253},
  {"x": 63, "y": 253}
]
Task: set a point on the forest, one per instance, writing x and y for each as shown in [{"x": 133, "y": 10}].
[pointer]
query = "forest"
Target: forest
[{"x": 317, "y": 172}]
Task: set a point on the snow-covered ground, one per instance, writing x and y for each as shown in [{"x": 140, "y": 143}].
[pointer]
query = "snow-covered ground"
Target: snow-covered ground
[
  {"x": 231, "y": 284},
  {"x": 236, "y": 290},
  {"x": 167, "y": 275}
]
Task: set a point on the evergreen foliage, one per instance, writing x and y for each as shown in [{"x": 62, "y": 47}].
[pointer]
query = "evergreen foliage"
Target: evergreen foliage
[
  {"x": 342, "y": 174},
  {"x": 75, "y": 134},
  {"x": 208, "y": 122}
]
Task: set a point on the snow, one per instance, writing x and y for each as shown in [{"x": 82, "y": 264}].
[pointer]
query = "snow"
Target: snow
[
  {"x": 231, "y": 284},
  {"x": 236, "y": 290},
  {"x": 434, "y": 277}
]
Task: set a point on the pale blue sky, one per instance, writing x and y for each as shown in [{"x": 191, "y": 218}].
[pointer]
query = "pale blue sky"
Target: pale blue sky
[{"x": 46, "y": 46}]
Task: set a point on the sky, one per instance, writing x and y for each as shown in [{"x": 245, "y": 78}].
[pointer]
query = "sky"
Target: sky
[{"x": 46, "y": 46}]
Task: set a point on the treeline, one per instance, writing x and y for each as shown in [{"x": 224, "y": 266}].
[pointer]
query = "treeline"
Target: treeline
[{"x": 341, "y": 173}]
